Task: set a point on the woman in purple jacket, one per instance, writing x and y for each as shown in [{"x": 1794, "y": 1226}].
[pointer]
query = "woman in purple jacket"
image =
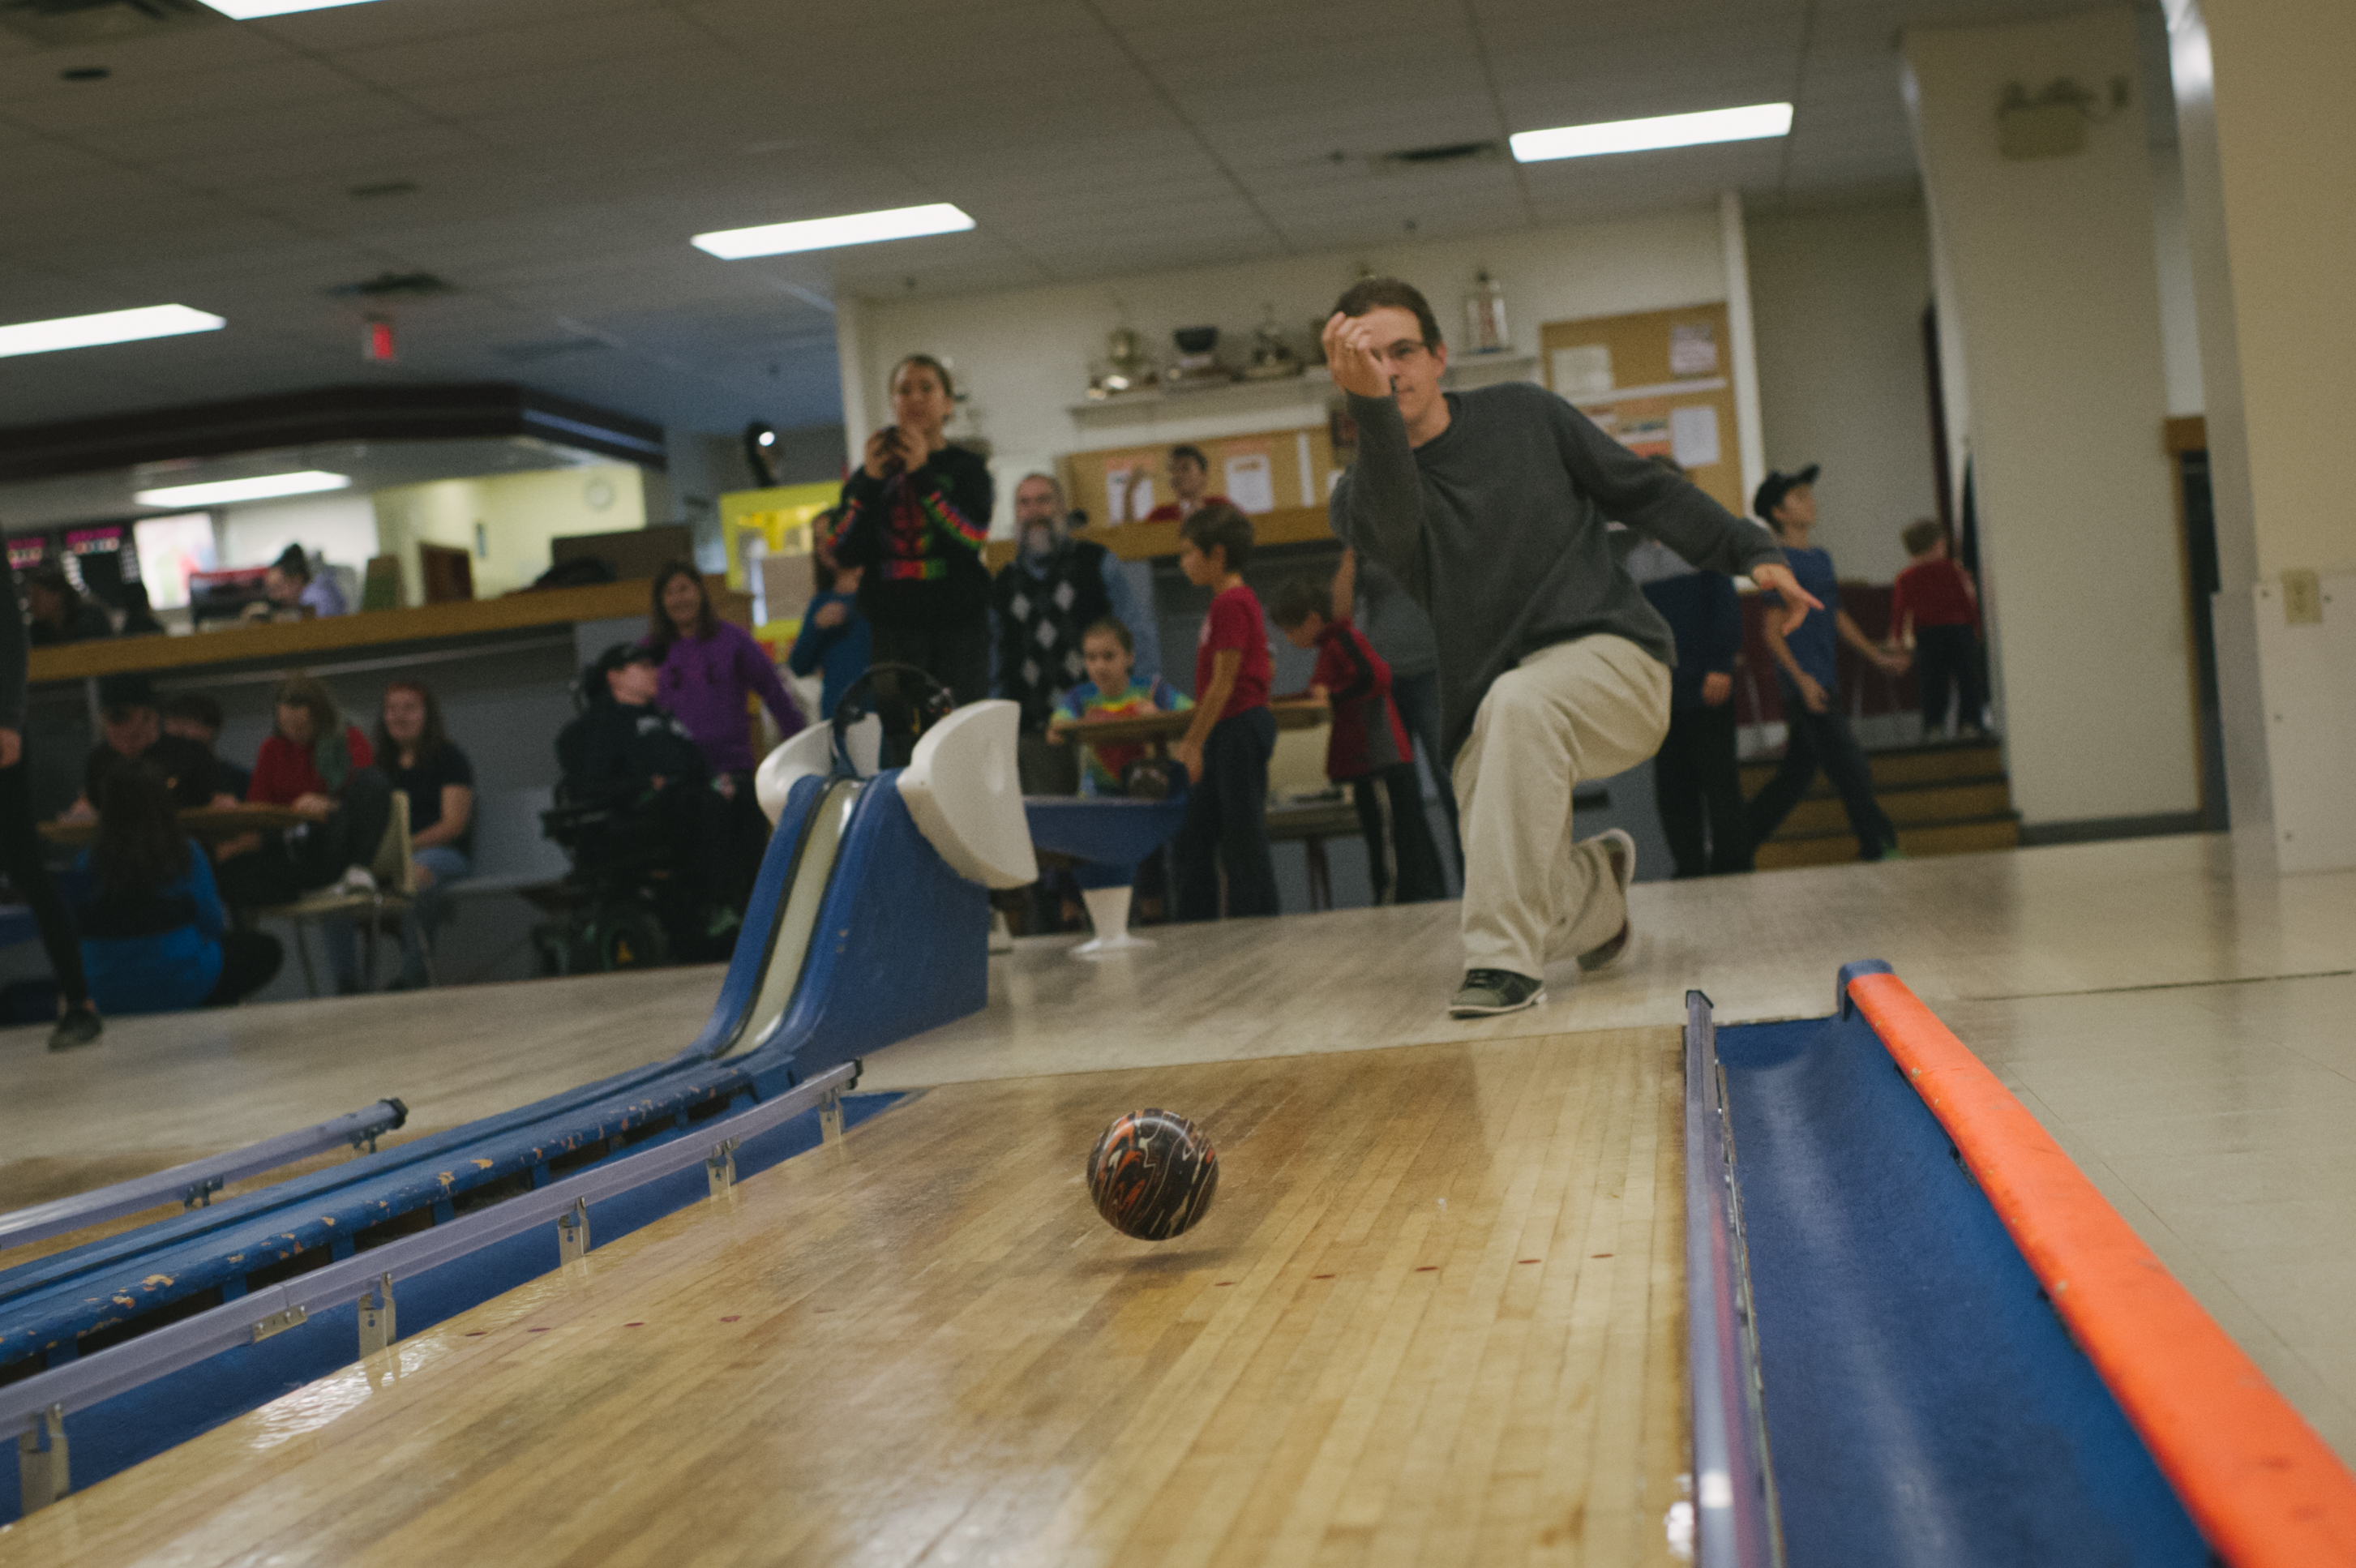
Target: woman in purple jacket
[{"x": 708, "y": 668}]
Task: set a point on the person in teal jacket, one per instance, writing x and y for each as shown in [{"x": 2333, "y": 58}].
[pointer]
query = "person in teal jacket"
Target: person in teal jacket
[{"x": 154, "y": 936}]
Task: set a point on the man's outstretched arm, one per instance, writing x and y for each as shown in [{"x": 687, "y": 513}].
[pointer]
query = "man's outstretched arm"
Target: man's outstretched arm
[{"x": 1378, "y": 505}]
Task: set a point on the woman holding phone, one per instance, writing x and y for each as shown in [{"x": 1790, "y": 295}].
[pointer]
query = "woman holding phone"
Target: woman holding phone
[{"x": 914, "y": 515}]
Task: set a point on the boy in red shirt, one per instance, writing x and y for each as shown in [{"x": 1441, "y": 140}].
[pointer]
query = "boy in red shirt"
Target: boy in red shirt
[
  {"x": 1226, "y": 749},
  {"x": 1935, "y": 612},
  {"x": 1367, "y": 746}
]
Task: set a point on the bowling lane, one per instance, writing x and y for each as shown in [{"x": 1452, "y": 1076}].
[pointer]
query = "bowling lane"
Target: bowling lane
[
  {"x": 2067, "y": 918},
  {"x": 1434, "y": 1316},
  {"x": 157, "y": 1091}
]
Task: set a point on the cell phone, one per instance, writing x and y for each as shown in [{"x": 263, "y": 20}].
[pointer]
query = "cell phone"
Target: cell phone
[{"x": 893, "y": 462}]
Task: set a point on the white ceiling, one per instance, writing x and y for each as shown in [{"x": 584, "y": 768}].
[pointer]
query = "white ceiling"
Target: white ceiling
[{"x": 563, "y": 151}]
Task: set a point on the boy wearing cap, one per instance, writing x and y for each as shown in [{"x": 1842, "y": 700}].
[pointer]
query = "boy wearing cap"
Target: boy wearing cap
[
  {"x": 1806, "y": 669},
  {"x": 1490, "y": 506}
]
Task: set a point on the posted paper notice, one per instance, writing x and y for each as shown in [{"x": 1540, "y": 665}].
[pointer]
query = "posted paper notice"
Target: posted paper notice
[
  {"x": 1692, "y": 436},
  {"x": 1251, "y": 482}
]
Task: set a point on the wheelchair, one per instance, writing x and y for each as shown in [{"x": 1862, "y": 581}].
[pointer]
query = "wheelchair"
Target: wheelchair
[{"x": 627, "y": 903}]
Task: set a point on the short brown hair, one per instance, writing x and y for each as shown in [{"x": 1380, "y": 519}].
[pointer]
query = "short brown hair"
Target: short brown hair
[
  {"x": 1921, "y": 534},
  {"x": 1297, "y": 598},
  {"x": 1221, "y": 527},
  {"x": 1112, "y": 627},
  {"x": 925, "y": 362},
  {"x": 1394, "y": 293}
]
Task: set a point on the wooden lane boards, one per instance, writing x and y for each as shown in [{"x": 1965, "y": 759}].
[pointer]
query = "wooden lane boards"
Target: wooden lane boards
[{"x": 1435, "y": 1315}]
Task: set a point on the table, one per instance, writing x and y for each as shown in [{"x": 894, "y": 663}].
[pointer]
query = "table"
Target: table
[
  {"x": 1158, "y": 729},
  {"x": 207, "y": 822}
]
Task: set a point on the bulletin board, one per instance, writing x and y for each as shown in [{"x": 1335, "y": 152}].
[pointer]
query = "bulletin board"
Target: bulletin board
[
  {"x": 1271, "y": 470},
  {"x": 1657, "y": 382}
]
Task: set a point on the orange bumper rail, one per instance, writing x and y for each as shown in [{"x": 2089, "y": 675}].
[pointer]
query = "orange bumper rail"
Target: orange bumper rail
[{"x": 2266, "y": 1491}]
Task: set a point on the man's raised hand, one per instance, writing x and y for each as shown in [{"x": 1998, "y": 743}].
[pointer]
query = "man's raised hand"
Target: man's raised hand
[
  {"x": 1797, "y": 601},
  {"x": 1349, "y": 355}
]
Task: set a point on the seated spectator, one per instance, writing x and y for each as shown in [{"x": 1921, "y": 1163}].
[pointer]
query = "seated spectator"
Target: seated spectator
[
  {"x": 1367, "y": 746},
  {"x": 324, "y": 768},
  {"x": 629, "y": 751},
  {"x": 292, "y": 584},
  {"x": 1113, "y": 692},
  {"x": 59, "y": 613},
  {"x": 834, "y": 637},
  {"x": 132, "y": 727},
  {"x": 138, "y": 615},
  {"x": 155, "y": 938},
  {"x": 1110, "y": 692},
  {"x": 192, "y": 715},
  {"x": 423, "y": 763}
]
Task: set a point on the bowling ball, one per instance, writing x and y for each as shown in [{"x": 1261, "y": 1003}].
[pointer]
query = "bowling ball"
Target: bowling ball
[{"x": 1153, "y": 1175}]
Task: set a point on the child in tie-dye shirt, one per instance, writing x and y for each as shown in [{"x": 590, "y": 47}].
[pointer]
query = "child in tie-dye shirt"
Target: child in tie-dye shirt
[{"x": 1108, "y": 652}]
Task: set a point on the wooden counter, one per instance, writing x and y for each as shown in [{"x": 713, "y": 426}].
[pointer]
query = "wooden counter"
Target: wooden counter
[
  {"x": 1155, "y": 540},
  {"x": 297, "y": 643}
]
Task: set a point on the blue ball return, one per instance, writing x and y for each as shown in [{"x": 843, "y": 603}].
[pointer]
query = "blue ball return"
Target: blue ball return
[{"x": 1108, "y": 837}]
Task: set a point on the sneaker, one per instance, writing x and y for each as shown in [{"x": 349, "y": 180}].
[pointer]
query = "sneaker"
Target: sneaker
[
  {"x": 79, "y": 1027},
  {"x": 1491, "y": 991},
  {"x": 1620, "y": 850},
  {"x": 356, "y": 879}
]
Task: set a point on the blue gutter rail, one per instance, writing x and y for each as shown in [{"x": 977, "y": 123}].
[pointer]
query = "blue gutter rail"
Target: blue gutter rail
[
  {"x": 1925, "y": 1404},
  {"x": 194, "y": 1183},
  {"x": 39, "y": 1405},
  {"x": 900, "y": 945}
]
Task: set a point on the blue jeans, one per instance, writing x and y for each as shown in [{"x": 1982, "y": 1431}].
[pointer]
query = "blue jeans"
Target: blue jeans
[{"x": 448, "y": 864}]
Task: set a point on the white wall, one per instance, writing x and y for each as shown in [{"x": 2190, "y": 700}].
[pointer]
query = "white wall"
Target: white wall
[
  {"x": 1837, "y": 297},
  {"x": 1024, "y": 355},
  {"x": 340, "y": 527},
  {"x": 2179, "y": 321},
  {"x": 2268, "y": 137},
  {"x": 517, "y": 515},
  {"x": 2058, "y": 296}
]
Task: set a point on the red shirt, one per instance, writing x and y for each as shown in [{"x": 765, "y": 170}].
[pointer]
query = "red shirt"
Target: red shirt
[
  {"x": 1366, "y": 736},
  {"x": 1173, "y": 511},
  {"x": 285, "y": 772},
  {"x": 1235, "y": 622},
  {"x": 1935, "y": 593}
]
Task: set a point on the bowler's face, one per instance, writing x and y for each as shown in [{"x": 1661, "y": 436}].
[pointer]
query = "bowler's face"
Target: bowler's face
[{"x": 1400, "y": 353}]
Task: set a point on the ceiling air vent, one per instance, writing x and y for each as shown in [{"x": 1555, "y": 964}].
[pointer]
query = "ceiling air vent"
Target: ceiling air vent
[
  {"x": 1442, "y": 155},
  {"x": 83, "y": 22},
  {"x": 395, "y": 286},
  {"x": 531, "y": 353}
]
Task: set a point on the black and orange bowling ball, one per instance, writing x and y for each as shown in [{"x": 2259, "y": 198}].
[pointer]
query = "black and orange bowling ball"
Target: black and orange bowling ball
[{"x": 1153, "y": 1175}]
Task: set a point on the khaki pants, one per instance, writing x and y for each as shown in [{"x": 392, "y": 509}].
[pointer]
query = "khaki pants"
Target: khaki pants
[{"x": 1584, "y": 709}]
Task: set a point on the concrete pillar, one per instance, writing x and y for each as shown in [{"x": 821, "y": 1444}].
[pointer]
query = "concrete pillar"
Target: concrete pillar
[
  {"x": 2269, "y": 147},
  {"x": 2049, "y": 265},
  {"x": 1751, "y": 439}
]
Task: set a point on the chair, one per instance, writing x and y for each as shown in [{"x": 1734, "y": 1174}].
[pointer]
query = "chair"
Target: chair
[{"x": 395, "y": 870}]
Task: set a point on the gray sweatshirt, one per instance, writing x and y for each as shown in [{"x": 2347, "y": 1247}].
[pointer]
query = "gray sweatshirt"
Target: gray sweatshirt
[{"x": 1497, "y": 526}]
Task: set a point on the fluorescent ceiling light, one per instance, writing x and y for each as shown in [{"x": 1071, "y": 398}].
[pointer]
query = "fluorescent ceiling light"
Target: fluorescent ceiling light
[
  {"x": 247, "y": 10},
  {"x": 825, "y": 233},
  {"x": 222, "y": 492},
  {"x": 1663, "y": 130},
  {"x": 108, "y": 326}
]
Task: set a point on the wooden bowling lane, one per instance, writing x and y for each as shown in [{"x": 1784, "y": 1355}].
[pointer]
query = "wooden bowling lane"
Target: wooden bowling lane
[
  {"x": 160, "y": 1090},
  {"x": 1434, "y": 1316}
]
